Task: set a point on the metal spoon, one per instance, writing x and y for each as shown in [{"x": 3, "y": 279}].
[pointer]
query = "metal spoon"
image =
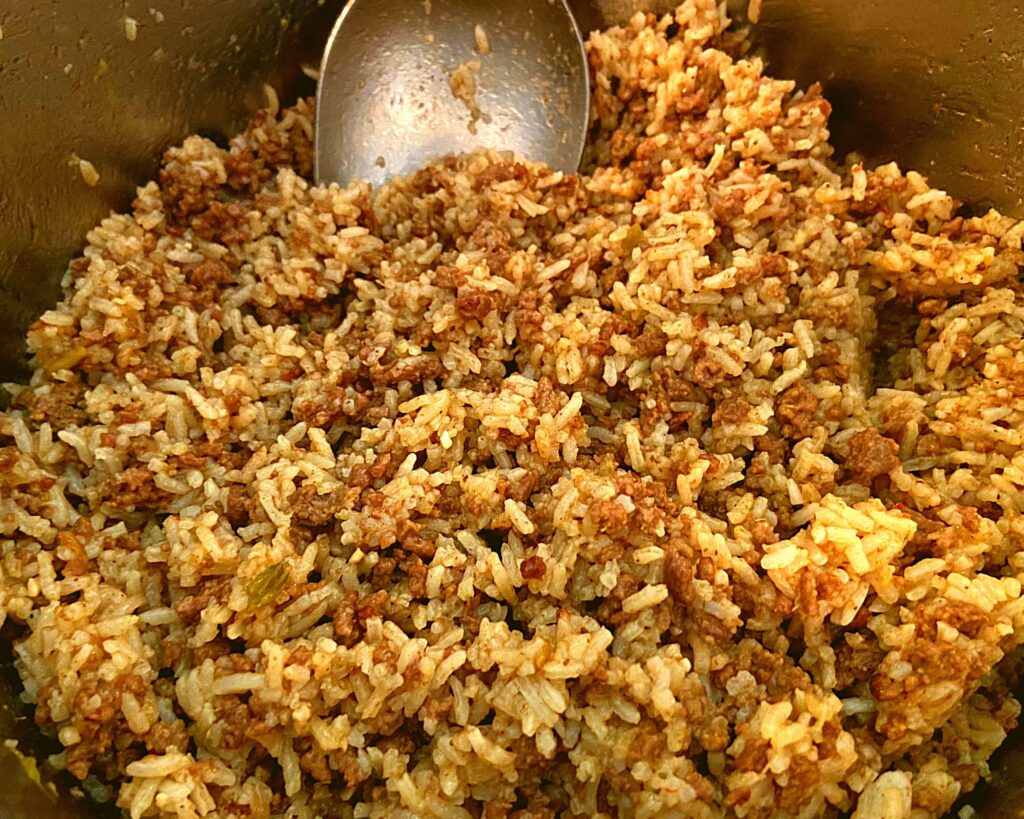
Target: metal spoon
[{"x": 407, "y": 81}]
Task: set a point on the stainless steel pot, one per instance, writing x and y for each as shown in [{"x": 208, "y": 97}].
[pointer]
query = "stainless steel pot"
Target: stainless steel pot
[{"x": 935, "y": 84}]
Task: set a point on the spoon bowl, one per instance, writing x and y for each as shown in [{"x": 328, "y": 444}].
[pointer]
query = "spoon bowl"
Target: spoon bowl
[{"x": 411, "y": 81}]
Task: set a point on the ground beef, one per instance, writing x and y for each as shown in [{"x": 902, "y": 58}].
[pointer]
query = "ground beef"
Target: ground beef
[
  {"x": 608, "y": 515},
  {"x": 414, "y": 371},
  {"x": 679, "y": 575},
  {"x": 871, "y": 455},
  {"x": 135, "y": 488},
  {"x": 57, "y": 405},
  {"x": 191, "y": 606},
  {"x": 533, "y": 568},
  {"x": 474, "y": 304},
  {"x": 336, "y": 403},
  {"x": 795, "y": 410},
  {"x": 731, "y": 411},
  {"x": 239, "y": 506},
  {"x": 310, "y": 508},
  {"x": 208, "y": 278},
  {"x": 416, "y": 570},
  {"x": 164, "y": 737}
]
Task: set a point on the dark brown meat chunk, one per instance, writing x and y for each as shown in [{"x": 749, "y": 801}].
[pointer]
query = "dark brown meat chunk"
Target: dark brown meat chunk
[
  {"x": 96, "y": 715},
  {"x": 731, "y": 411},
  {"x": 694, "y": 103},
  {"x": 474, "y": 304},
  {"x": 185, "y": 187},
  {"x": 648, "y": 743},
  {"x": 235, "y": 718},
  {"x": 309, "y": 508},
  {"x": 651, "y": 342},
  {"x": 224, "y": 222},
  {"x": 58, "y": 405},
  {"x": 679, "y": 576},
  {"x": 163, "y": 737},
  {"x": 344, "y": 619},
  {"x": 762, "y": 533},
  {"x": 208, "y": 277},
  {"x": 795, "y": 411},
  {"x": 239, "y": 507},
  {"x": 871, "y": 455},
  {"x": 414, "y": 370},
  {"x": 420, "y": 546},
  {"x": 533, "y": 568},
  {"x": 190, "y": 607},
  {"x": 502, "y": 172},
  {"x": 373, "y": 605},
  {"x": 964, "y": 617},
  {"x": 135, "y": 488},
  {"x": 521, "y": 489},
  {"x": 416, "y": 570},
  {"x": 529, "y": 320},
  {"x": 608, "y": 515},
  {"x": 610, "y": 611},
  {"x": 336, "y": 403}
]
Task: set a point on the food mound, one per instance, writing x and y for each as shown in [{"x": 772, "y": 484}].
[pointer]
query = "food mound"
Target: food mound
[{"x": 687, "y": 486}]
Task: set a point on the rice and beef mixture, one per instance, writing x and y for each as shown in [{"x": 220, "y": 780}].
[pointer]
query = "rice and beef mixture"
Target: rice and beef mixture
[{"x": 687, "y": 486}]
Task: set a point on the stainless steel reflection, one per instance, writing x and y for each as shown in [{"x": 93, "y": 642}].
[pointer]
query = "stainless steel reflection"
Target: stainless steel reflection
[{"x": 386, "y": 106}]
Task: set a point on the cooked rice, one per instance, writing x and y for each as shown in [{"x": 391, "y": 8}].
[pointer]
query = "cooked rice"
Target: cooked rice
[
  {"x": 462, "y": 82},
  {"x": 687, "y": 486},
  {"x": 131, "y": 29},
  {"x": 88, "y": 171},
  {"x": 481, "y": 42}
]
